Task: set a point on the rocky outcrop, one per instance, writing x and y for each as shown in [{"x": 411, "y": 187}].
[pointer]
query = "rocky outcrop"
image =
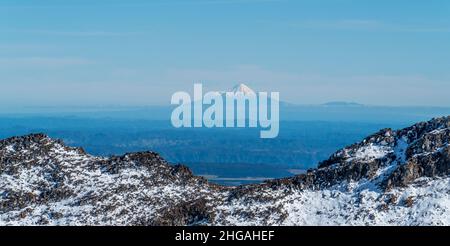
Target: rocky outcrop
[
  {"x": 418, "y": 151},
  {"x": 396, "y": 177}
]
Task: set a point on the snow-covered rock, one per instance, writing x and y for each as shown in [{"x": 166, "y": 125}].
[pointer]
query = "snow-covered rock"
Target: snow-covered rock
[
  {"x": 244, "y": 89},
  {"x": 390, "y": 178}
]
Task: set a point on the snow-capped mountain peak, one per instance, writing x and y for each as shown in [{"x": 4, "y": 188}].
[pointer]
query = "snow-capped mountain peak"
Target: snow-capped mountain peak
[{"x": 244, "y": 89}]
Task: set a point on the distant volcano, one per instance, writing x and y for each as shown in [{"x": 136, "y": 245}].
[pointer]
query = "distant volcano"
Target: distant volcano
[{"x": 244, "y": 89}]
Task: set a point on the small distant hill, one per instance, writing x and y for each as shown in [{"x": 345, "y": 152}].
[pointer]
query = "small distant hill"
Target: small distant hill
[{"x": 343, "y": 104}]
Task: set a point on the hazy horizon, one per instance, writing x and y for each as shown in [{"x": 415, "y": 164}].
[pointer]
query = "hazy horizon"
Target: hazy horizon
[{"x": 140, "y": 52}]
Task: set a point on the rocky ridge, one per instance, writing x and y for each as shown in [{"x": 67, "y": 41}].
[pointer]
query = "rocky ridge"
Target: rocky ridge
[{"x": 393, "y": 177}]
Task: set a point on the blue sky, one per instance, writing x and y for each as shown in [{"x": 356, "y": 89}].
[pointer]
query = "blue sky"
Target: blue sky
[{"x": 110, "y": 52}]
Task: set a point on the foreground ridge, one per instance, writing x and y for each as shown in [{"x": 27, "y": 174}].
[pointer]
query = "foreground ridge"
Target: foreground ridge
[{"x": 393, "y": 177}]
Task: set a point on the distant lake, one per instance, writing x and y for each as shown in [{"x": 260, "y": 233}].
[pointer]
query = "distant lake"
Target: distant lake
[{"x": 242, "y": 173}]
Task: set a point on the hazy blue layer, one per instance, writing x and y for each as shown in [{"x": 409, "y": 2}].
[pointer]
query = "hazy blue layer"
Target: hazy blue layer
[{"x": 229, "y": 156}]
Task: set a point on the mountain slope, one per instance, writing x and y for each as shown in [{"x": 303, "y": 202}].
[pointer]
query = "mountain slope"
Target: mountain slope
[
  {"x": 244, "y": 89},
  {"x": 390, "y": 178}
]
